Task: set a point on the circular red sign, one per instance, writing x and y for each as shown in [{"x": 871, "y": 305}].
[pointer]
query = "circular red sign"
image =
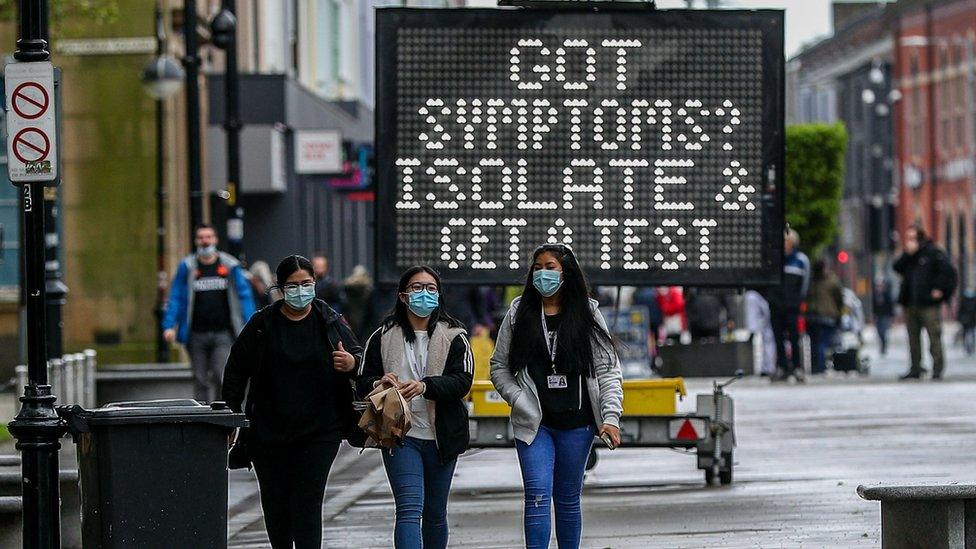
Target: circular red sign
[
  {"x": 30, "y": 143},
  {"x": 28, "y": 107}
]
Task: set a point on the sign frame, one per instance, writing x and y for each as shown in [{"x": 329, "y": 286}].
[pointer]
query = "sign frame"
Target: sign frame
[
  {"x": 17, "y": 78},
  {"x": 769, "y": 22},
  {"x": 306, "y": 166}
]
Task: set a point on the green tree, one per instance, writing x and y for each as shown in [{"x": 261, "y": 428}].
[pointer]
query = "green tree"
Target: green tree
[{"x": 814, "y": 182}]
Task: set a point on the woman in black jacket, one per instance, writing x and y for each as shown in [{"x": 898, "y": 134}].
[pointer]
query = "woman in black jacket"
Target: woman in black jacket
[
  {"x": 297, "y": 357},
  {"x": 425, "y": 354}
]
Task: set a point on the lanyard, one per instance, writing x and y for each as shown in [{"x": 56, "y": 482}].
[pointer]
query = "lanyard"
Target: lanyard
[
  {"x": 550, "y": 343},
  {"x": 413, "y": 362}
]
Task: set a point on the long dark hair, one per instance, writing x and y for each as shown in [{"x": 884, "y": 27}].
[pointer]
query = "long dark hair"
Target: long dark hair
[
  {"x": 289, "y": 266},
  {"x": 578, "y": 329},
  {"x": 398, "y": 315}
]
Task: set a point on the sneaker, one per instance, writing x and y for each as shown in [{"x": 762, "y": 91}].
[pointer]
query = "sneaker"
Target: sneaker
[{"x": 910, "y": 376}]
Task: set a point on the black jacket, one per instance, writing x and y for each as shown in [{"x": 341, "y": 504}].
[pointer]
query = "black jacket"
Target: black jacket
[
  {"x": 788, "y": 297},
  {"x": 248, "y": 358},
  {"x": 927, "y": 269},
  {"x": 967, "y": 311},
  {"x": 446, "y": 390},
  {"x": 882, "y": 303}
]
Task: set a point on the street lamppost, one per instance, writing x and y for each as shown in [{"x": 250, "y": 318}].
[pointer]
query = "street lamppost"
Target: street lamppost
[
  {"x": 877, "y": 96},
  {"x": 191, "y": 62},
  {"x": 224, "y": 35},
  {"x": 162, "y": 77},
  {"x": 37, "y": 427}
]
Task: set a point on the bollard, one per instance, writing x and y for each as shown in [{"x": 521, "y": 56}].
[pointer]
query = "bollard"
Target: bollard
[
  {"x": 67, "y": 380},
  {"x": 54, "y": 371},
  {"x": 20, "y": 371},
  {"x": 89, "y": 385},
  {"x": 77, "y": 364},
  {"x": 78, "y": 389}
]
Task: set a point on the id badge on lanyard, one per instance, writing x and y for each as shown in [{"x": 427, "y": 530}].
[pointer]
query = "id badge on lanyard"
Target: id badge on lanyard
[
  {"x": 554, "y": 380},
  {"x": 419, "y": 371}
]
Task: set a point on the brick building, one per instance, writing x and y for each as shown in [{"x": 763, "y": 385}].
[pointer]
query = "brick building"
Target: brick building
[{"x": 934, "y": 123}]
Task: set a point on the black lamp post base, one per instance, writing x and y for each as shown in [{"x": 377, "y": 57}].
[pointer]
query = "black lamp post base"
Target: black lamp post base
[{"x": 38, "y": 430}]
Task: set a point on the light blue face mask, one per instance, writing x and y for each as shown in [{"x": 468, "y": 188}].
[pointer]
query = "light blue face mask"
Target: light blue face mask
[
  {"x": 547, "y": 281},
  {"x": 422, "y": 303},
  {"x": 300, "y": 297},
  {"x": 206, "y": 251}
]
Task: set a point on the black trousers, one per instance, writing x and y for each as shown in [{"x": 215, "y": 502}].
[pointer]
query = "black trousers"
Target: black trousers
[
  {"x": 786, "y": 328},
  {"x": 292, "y": 480}
]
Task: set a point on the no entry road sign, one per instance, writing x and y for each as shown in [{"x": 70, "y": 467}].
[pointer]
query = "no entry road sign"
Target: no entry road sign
[
  {"x": 31, "y": 122},
  {"x": 649, "y": 141}
]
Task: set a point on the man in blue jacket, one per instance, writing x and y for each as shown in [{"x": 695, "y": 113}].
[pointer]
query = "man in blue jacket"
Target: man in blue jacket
[
  {"x": 785, "y": 303},
  {"x": 210, "y": 300}
]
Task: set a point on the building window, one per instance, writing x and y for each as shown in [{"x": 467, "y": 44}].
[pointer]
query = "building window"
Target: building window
[{"x": 917, "y": 122}]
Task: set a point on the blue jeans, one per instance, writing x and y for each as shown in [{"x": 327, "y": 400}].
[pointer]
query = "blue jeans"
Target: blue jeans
[
  {"x": 420, "y": 486},
  {"x": 821, "y": 342},
  {"x": 553, "y": 466}
]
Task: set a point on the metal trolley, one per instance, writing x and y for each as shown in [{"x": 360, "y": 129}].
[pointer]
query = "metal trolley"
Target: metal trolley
[{"x": 649, "y": 421}]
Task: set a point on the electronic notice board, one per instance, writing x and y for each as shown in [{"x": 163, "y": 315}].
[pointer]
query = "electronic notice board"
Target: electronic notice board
[{"x": 650, "y": 141}]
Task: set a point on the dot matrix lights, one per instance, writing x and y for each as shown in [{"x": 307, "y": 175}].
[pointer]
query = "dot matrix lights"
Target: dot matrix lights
[{"x": 645, "y": 147}]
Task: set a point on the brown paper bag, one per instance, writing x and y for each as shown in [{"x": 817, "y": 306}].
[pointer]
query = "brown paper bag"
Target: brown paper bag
[{"x": 387, "y": 417}]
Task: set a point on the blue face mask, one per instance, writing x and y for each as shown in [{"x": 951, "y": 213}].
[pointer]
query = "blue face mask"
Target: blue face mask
[
  {"x": 206, "y": 251},
  {"x": 300, "y": 297},
  {"x": 422, "y": 303},
  {"x": 547, "y": 281}
]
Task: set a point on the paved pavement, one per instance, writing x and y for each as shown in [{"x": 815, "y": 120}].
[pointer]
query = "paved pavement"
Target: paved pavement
[{"x": 802, "y": 451}]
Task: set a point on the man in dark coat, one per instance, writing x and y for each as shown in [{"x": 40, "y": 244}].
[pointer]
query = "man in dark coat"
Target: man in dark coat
[{"x": 928, "y": 280}]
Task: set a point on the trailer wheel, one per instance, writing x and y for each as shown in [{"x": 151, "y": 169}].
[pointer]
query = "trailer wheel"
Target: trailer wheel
[
  {"x": 725, "y": 475},
  {"x": 591, "y": 459}
]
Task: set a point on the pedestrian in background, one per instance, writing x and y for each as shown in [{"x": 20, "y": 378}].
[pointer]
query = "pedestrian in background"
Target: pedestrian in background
[
  {"x": 757, "y": 321},
  {"x": 707, "y": 312},
  {"x": 883, "y": 306},
  {"x": 967, "y": 320},
  {"x": 294, "y": 363},
  {"x": 424, "y": 353},
  {"x": 358, "y": 290},
  {"x": 671, "y": 303},
  {"x": 210, "y": 300},
  {"x": 556, "y": 366},
  {"x": 785, "y": 301},
  {"x": 825, "y": 305},
  {"x": 928, "y": 280},
  {"x": 262, "y": 280},
  {"x": 326, "y": 287}
]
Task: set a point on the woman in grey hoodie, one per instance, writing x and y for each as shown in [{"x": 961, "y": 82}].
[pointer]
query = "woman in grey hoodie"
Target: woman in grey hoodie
[{"x": 556, "y": 366}]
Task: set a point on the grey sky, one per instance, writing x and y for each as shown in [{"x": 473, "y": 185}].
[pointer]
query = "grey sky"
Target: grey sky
[{"x": 805, "y": 19}]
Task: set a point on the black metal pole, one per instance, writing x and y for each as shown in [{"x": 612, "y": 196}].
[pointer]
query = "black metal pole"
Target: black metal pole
[
  {"x": 55, "y": 288},
  {"x": 191, "y": 61},
  {"x": 232, "y": 125},
  {"x": 162, "y": 347},
  {"x": 37, "y": 426}
]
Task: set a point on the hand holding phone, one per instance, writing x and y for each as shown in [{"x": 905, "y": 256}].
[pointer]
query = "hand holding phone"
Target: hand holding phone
[{"x": 610, "y": 435}]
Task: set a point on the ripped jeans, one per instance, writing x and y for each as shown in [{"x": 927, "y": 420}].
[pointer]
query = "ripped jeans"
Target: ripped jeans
[{"x": 552, "y": 468}]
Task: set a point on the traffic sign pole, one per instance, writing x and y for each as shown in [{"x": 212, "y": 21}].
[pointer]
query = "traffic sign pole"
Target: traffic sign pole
[{"x": 37, "y": 426}]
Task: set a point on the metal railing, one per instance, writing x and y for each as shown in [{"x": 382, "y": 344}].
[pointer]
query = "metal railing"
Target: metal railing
[{"x": 72, "y": 378}]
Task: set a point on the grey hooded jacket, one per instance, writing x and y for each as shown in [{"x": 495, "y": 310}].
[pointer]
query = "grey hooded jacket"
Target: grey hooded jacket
[{"x": 606, "y": 389}]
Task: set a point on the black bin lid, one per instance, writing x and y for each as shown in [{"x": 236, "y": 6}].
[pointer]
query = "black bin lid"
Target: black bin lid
[{"x": 161, "y": 412}]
